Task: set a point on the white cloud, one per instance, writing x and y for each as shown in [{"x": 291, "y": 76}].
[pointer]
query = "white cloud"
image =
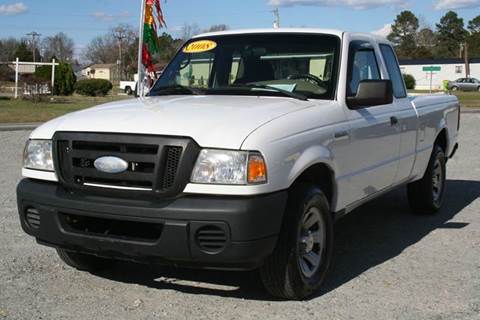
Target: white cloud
[
  {"x": 355, "y": 4},
  {"x": 12, "y": 9},
  {"x": 383, "y": 31},
  {"x": 103, "y": 16},
  {"x": 456, "y": 4}
]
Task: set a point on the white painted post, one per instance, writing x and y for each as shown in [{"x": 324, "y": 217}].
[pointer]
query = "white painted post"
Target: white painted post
[
  {"x": 140, "y": 50},
  {"x": 53, "y": 74},
  {"x": 16, "y": 79}
]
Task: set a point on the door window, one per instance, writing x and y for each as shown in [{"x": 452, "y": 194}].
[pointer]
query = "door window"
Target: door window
[
  {"x": 393, "y": 71},
  {"x": 363, "y": 65}
]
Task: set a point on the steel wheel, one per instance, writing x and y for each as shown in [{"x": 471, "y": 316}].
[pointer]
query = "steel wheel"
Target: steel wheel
[
  {"x": 300, "y": 261},
  {"x": 426, "y": 195},
  {"x": 311, "y": 242},
  {"x": 437, "y": 180}
]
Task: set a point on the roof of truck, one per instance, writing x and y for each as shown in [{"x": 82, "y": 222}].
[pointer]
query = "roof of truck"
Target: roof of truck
[{"x": 338, "y": 33}]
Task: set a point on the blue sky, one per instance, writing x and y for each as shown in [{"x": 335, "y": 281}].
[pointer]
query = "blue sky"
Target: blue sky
[{"x": 84, "y": 19}]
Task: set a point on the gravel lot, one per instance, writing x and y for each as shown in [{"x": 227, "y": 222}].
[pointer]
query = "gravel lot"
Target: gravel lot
[{"x": 389, "y": 264}]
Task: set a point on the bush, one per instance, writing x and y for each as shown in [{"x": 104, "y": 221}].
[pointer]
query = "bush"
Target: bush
[
  {"x": 410, "y": 81},
  {"x": 93, "y": 87},
  {"x": 64, "y": 78}
]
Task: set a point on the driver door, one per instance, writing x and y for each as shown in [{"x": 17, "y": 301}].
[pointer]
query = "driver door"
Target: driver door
[{"x": 374, "y": 132}]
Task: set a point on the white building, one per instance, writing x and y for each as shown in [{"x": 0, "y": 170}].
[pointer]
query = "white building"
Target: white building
[
  {"x": 99, "y": 71},
  {"x": 450, "y": 69}
]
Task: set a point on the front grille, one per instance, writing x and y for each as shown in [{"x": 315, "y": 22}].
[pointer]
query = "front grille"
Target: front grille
[
  {"x": 173, "y": 155},
  {"x": 157, "y": 165},
  {"x": 107, "y": 228}
]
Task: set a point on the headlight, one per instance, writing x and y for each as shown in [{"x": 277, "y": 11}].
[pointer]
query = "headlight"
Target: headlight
[
  {"x": 229, "y": 168},
  {"x": 38, "y": 155}
]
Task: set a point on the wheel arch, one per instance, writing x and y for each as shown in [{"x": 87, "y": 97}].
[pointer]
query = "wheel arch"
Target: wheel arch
[
  {"x": 442, "y": 139},
  {"x": 321, "y": 174}
]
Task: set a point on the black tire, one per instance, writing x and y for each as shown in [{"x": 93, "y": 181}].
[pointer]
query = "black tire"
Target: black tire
[
  {"x": 283, "y": 273},
  {"x": 128, "y": 90},
  {"x": 426, "y": 195},
  {"x": 83, "y": 262},
  {"x": 454, "y": 89}
]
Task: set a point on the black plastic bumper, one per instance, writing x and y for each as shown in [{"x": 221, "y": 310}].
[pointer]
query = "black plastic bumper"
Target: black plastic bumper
[{"x": 199, "y": 231}]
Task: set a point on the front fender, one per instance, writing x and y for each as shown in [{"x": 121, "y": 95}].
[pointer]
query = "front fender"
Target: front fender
[{"x": 314, "y": 155}]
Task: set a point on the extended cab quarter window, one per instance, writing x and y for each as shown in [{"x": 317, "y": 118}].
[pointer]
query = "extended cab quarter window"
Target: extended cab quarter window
[
  {"x": 362, "y": 65},
  {"x": 394, "y": 71}
]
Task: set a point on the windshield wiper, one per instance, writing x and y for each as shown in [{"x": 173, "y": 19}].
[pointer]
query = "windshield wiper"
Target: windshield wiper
[
  {"x": 177, "y": 88},
  {"x": 272, "y": 88}
]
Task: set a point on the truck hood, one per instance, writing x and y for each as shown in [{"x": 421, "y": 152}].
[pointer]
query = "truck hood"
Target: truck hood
[{"x": 212, "y": 121}]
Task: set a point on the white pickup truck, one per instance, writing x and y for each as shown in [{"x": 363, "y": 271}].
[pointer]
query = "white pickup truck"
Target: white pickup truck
[{"x": 247, "y": 149}]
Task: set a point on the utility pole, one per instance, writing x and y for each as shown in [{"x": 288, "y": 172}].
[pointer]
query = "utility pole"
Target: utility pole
[
  {"x": 34, "y": 36},
  {"x": 120, "y": 35},
  {"x": 467, "y": 63},
  {"x": 464, "y": 55},
  {"x": 276, "y": 23}
]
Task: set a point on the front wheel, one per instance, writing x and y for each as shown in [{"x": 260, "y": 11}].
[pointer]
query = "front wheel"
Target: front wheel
[
  {"x": 426, "y": 195},
  {"x": 299, "y": 263}
]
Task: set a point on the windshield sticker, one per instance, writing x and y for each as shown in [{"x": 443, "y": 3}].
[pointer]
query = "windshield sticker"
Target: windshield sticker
[{"x": 200, "y": 46}]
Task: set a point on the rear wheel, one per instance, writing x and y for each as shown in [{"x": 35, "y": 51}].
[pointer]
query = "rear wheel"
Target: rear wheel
[
  {"x": 454, "y": 88},
  {"x": 298, "y": 266},
  {"x": 426, "y": 195},
  {"x": 128, "y": 90},
  {"x": 83, "y": 262}
]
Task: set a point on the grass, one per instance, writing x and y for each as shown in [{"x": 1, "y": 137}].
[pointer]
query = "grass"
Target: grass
[
  {"x": 467, "y": 99},
  {"x": 22, "y": 111}
]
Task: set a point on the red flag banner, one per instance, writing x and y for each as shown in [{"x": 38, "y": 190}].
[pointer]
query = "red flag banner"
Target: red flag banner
[{"x": 150, "y": 33}]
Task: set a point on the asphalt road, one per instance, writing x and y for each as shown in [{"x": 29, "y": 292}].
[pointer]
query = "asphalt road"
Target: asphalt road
[{"x": 389, "y": 264}]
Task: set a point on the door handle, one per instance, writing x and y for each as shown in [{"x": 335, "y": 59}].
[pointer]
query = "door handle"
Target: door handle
[
  {"x": 342, "y": 135},
  {"x": 393, "y": 121}
]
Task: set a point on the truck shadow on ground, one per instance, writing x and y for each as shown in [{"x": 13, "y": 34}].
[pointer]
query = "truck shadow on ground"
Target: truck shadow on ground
[{"x": 369, "y": 236}]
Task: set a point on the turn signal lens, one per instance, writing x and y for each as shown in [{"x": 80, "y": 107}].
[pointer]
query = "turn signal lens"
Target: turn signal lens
[{"x": 257, "y": 169}]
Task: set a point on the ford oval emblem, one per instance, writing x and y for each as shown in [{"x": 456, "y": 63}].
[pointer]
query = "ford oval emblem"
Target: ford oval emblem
[{"x": 111, "y": 165}]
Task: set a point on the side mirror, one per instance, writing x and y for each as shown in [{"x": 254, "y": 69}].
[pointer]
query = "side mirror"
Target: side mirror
[{"x": 371, "y": 93}]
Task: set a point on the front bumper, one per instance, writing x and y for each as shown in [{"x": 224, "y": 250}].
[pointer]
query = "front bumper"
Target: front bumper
[{"x": 196, "y": 231}]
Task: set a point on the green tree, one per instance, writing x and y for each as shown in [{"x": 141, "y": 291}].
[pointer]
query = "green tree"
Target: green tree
[
  {"x": 451, "y": 34},
  {"x": 8, "y": 48},
  {"x": 168, "y": 47},
  {"x": 410, "y": 81},
  {"x": 474, "y": 25},
  {"x": 43, "y": 73},
  {"x": 23, "y": 52},
  {"x": 64, "y": 80},
  {"x": 404, "y": 32},
  {"x": 474, "y": 37}
]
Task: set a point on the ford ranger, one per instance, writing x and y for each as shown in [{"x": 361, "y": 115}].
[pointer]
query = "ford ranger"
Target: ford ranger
[{"x": 244, "y": 153}]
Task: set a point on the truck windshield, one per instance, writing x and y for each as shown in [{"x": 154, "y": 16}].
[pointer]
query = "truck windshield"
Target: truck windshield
[{"x": 293, "y": 65}]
